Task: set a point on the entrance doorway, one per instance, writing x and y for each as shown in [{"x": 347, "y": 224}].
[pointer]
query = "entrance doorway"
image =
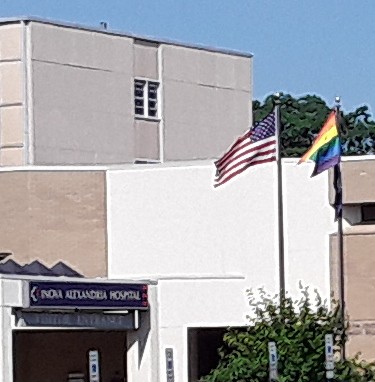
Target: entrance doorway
[
  {"x": 51, "y": 355},
  {"x": 203, "y": 345}
]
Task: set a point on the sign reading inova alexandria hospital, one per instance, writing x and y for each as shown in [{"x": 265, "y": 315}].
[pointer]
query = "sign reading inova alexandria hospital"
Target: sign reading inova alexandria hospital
[{"x": 87, "y": 295}]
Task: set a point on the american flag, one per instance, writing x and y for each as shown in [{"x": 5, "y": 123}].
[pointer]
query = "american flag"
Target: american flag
[{"x": 255, "y": 147}]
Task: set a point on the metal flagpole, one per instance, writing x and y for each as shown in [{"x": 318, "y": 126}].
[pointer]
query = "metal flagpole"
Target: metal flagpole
[
  {"x": 280, "y": 198},
  {"x": 340, "y": 236}
]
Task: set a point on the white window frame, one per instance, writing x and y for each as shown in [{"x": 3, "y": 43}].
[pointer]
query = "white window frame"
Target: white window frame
[{"x": 145, "y": 115}]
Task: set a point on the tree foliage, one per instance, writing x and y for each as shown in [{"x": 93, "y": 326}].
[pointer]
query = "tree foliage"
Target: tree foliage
[
  {"x": 303, "y": 117},
  {"x": 299, "y": 329}
]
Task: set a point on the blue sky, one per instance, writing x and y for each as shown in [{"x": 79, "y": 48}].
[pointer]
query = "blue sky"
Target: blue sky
[{"x": 323, "y": 47}]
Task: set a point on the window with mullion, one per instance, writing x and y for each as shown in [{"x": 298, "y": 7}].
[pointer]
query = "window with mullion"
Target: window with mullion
[{"x": 146, "y": 98}]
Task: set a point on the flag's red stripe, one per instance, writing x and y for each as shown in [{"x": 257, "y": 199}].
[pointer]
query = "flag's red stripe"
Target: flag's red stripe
[
  {"x": 245, "y": 168},
  {"x": 234, "y": 148},
  {"x": 239, "y": 164},
  {"x": 221, "y": 162},
  {"x": 252, "y": 149},
  {"x": 246, "y": 160},
  {"x": 230, "y": 160}
]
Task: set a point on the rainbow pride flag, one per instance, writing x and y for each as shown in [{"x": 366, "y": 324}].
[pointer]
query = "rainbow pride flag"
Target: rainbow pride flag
[{"x": 326, "y": 149}]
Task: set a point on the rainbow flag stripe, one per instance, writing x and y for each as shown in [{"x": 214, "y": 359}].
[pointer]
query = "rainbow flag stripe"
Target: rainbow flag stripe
[{"x": 326, "y": 149}]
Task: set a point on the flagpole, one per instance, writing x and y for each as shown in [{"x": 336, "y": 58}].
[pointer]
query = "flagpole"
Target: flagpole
[
  {"x": 340, "y": 234},
  {"x": 280, "y": 198}
]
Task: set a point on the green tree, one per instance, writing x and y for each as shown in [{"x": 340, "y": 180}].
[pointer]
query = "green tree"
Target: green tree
[
  {"x": 303, "y": 117},
  {"x": 299, "y": 329},
  {"x": 358, "y": 132}
]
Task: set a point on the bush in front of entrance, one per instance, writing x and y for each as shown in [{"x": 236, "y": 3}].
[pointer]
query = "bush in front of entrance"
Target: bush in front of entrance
[{"x": 298, "y": 328}]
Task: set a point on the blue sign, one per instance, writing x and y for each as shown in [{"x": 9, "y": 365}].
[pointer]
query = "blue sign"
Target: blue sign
[{"x": 87, "y": 295}]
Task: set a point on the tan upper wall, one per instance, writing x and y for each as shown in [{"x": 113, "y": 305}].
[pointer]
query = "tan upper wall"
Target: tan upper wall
[
  {"x": 82, "y": 96},
  {"x": 83, "y": 48},
  {"x": 207, "y": 101},
  {"x": 78, "y": 87},
  {"x": 208, "y": 68},
  {"x": 12, "y": 96},
  {"x": 11, "y": 42},
  {"x": 54, "y": 216},
  {"x": 81, "y": 101}
]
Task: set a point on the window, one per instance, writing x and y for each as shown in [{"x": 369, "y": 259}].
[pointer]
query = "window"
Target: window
[{"x": 146, "y": 98}]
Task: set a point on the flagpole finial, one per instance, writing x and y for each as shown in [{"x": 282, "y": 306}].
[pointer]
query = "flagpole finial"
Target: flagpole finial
[
  {"x": 276, "y": 98},
  {"x": 337, "y": 101}
]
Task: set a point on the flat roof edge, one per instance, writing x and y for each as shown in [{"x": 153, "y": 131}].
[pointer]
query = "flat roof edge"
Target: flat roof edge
[
  {"x": 66, "y": 24},
  {"x": 82, "y": 280},
  {"x": 151, "y": 166}
]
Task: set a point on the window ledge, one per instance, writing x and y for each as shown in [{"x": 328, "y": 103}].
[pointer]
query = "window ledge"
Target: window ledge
[
  {"x": 147, "y": 161},
  {"x": 143, "y": 118}
]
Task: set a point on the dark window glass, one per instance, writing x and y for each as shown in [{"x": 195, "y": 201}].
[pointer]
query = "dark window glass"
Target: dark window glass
[
  {"x": 138, "y": 92},
  {"x": 152, "y": 90},
  {"x": 139, "y": 97},
  {"x": 152, "y": 99},
  {"x": 368, "y": 213},
  {"x": 139, "y": 107}
]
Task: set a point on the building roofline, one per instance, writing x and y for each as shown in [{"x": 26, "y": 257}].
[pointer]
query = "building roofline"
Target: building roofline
[
  {"x": 81, "y": 280},
  {"x": 208, "y": 163},
  {"x": 26, "y": 19}
]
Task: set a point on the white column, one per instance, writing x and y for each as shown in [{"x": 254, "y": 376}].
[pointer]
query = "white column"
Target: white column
[
  {"x": 6, "y": 345},
  {"x": 143, "y": 344},
  {"x": 11, "y": 295}
]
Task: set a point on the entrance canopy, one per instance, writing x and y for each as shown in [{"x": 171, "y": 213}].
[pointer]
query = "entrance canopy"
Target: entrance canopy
[{"x": 74, "y": 302}]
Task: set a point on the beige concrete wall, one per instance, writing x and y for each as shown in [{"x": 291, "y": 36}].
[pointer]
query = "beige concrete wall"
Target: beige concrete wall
[
  {"x": 358, "y": 181},
  {"x": 82, "y": 96},
  {"x": 12, "y": 124},
  {"x": 358, "y": 178},
  {"x": 362, "y": 340},
  {"x": 207, "y": 101},
  {"x": 54, "y": 216},
  {"x": 359, "y": 283},
  {"x": 50, "y": 355},
  {"x": 360, "y": 263}
]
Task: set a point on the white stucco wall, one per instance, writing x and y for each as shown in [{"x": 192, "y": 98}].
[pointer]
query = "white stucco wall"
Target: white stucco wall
[
  {"x": 10, "y": 296},
  {"x": 206, "y": 246},
  {"x": 191, "y": 303},
  {"x": 308, "y": 221},
  {"x": 170, "y": 222}
]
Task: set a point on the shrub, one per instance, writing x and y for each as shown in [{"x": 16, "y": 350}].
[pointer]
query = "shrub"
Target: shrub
[{"x": 298, "y": 328}]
